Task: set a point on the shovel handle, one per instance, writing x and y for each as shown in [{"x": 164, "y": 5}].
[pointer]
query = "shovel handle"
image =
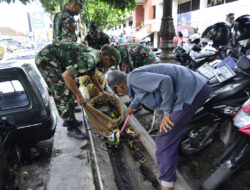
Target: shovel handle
[{"x": 125, "y": 123}]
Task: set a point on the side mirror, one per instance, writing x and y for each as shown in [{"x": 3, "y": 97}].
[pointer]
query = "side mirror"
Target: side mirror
[{"x": 180, "y": 34}]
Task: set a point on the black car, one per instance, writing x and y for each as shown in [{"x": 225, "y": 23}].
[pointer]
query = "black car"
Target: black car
[
  {"x": 24, "y": 99},
  {"x": 10, "y": 157}
]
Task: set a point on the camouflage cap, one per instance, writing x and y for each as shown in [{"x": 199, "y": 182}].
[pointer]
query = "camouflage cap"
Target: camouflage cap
[
  {"x": 78, "y": 1},
  {"x": 93, "y": 26},
  {"x": 113, "y": 53}
]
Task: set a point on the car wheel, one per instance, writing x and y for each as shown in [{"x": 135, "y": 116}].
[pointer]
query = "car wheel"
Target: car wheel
[{"x": 13, "y": 170}]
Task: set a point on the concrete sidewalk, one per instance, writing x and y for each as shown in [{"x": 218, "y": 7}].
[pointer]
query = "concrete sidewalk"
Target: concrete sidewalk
[
  {"x": 72, "y": 166},
  {"x": 70, "y": 162}
]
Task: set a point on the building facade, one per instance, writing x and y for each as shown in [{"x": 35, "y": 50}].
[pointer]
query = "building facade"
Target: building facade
[{"x": 195, "y": 13}]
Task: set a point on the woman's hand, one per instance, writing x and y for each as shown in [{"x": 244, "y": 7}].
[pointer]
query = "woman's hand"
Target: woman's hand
[{"x": 166, "y": 123}]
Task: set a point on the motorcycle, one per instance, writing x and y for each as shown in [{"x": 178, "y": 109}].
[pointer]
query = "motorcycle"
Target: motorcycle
[
  {"x": 225, "y": 100},
  {"x": 238, "y": 152},
  {"x": 10, "y": 156},
  {"x": 194, "y": 55}
]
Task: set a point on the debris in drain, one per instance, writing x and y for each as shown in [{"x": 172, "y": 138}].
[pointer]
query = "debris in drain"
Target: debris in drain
[{"x": 107, "y": 106}]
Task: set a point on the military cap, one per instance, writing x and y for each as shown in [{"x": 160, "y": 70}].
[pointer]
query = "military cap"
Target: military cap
[{"x": 78, "y": 1}]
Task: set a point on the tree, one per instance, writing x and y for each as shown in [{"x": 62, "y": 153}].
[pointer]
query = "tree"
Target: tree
[
  {"x": 106, "y": 13},
  {"x": 51, "y": 6}
]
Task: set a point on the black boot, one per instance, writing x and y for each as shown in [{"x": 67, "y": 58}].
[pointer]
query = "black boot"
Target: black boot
[
  {"x": 78, "y": 109},
  {"x": 76, "y": 133},
  {"x": 77, "y": 123}
]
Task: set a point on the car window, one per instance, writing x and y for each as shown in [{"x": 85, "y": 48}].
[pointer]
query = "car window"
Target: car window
[
  {"x": 186, "y": 32},
  {"x": 191, "y": 31},
  {"x": 12, "y": 95}
]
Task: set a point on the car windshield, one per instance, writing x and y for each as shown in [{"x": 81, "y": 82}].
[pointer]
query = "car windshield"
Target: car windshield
[{"x": 186, "y": 32}]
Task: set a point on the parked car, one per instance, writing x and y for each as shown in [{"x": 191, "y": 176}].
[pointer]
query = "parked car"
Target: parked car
[
  {"x": 24, "y": 99},
  {"x": 182, "y": 34},
  {"x": 10, "y": 156},
  {"x": 1, "y": 52},
  {"x": 11, "y": 45}
]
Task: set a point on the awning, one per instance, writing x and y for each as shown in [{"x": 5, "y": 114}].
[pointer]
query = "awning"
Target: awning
[{"x": 142, "y": 34}]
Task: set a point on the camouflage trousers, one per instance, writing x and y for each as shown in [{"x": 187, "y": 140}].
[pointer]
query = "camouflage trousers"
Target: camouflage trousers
[{"x": 52, "y": 73}]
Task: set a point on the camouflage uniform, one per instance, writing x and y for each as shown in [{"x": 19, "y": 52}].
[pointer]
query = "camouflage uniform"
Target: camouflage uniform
[
  {"x": 53, "y": 60},
  {"x": 134, "y": 55},
  {"x": 97, "y": 43},
  {"x": 64, "y": 27}
]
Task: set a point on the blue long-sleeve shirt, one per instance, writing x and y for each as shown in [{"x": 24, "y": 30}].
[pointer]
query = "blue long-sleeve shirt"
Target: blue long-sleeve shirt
[{"x": 164, "y": 86}]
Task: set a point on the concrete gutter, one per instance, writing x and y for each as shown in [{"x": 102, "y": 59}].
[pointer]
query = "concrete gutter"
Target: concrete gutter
[{"x": 149, "y": 144}]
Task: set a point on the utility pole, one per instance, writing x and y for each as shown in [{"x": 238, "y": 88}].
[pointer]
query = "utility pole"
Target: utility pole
[{"x": 167, "y": 33}]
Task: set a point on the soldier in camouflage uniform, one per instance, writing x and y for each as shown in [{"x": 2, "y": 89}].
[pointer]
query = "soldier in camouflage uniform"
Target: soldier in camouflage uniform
[
  {"x": 53, "y": 60},
  {"x": 65, "y": 29},
  {"x": 95, "y": 38},
  {"x": 64, "y": 24},
  {"x": 134, "y": 55}
]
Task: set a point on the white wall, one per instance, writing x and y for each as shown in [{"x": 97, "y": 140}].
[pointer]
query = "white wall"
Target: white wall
[{"x": 207, "y": 16}]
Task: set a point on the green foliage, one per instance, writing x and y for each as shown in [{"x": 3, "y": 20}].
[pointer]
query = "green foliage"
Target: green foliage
[
  {"x": 13, "y": 1},
  {"x": 122, "y": 4},
  {"x": 51, "y": 6},
  {"x": 105, "y": 15}
]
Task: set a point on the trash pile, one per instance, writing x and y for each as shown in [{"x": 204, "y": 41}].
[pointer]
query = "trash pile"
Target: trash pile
[{"x": 107, "y": 106}]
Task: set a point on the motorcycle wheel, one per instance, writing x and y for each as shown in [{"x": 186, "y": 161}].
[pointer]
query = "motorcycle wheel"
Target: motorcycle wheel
[
  {"x": 13, "y": 170},
  {"x": 220, "y": 175},
  {"x": 191, "y": 142}
]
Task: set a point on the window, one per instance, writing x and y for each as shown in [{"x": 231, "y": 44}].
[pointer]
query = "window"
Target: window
[
  {"x": 130, "y": 23},
  {"x": 40, "y": 83},
  {"x": 195, "y": 5},
  {"x": 120, "y": 26},
  {"x": 211, "y": 3},
  {"x": 124, "y": 25},
  {"x": 12, "y": 95},
  {"x": 186, "y": 32},
  {"x": 154, "y": 12},
  {"x": 229, "y": 1},
  {"x": 184, "y": 7}
]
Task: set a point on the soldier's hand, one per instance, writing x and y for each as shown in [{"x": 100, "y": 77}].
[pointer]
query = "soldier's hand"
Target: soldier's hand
[
  {"x": 81, "y": 101},
  {"x": 103, "y": 93}
]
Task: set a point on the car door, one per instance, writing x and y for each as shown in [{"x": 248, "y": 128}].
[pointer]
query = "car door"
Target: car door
[{"x": 19, "y": 101}]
